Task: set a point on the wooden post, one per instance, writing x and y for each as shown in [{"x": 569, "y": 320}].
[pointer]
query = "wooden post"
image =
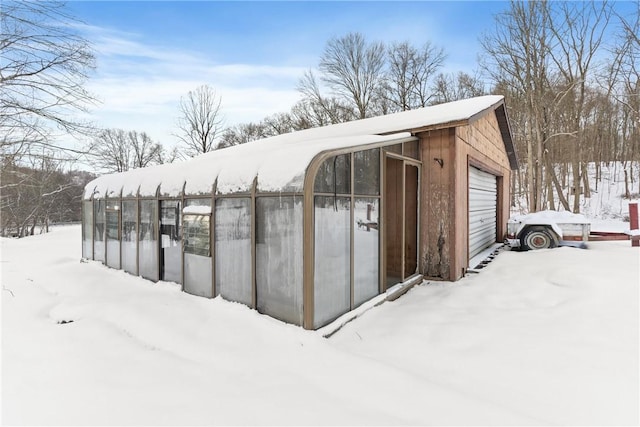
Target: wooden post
[{"x": 633, "y": 221}]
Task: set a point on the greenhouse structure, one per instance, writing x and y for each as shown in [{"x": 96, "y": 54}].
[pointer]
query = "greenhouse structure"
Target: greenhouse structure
[{"x": 307, "y": 226}]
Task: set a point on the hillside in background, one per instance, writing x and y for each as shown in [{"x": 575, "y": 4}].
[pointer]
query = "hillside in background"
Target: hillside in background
[{"x": 608, "y": 190}]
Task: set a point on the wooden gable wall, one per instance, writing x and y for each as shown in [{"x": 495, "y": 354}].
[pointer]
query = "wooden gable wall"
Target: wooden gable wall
[{"x": 446, "y": 155}]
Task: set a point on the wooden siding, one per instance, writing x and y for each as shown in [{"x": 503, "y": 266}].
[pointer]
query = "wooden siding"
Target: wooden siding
[
  {"x": 436, "y": 227},
  {"x": 444, "y": 234}
]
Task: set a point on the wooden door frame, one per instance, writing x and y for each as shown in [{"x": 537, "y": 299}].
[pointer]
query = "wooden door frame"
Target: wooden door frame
[{"x": 404, "y": 275}]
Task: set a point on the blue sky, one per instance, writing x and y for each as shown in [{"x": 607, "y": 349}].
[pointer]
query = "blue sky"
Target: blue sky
[{"x": 150, "y": 53}]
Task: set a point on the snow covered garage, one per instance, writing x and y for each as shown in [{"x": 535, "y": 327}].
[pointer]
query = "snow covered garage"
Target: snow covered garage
[{"x": 306, "y": 226}]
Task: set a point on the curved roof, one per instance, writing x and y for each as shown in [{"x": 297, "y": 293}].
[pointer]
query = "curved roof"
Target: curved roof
[{"x": 279, "y": 163}]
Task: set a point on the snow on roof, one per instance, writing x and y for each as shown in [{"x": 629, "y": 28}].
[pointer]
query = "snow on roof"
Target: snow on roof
[{"x": 278, "y": 162}]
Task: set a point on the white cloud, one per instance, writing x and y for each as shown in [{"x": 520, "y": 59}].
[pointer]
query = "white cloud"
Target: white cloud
[{"x": 140, "y": 85}]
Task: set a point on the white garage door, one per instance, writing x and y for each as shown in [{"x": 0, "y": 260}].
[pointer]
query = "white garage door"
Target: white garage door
[{"x": 483, "y": 199}]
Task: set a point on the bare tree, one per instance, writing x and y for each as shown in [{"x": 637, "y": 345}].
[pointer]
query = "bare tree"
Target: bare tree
[
  {"x": 517, "y": 57},
  {"x": 37, "y": 193},
  {"x": 624, "y": 86},
  {"x": 578, "y": 30},
  {"x": 200, "y": 123},
  {"x": 44, "y": 66},
  {"x": 242, "y": 133},
  {"x": 319, "y": 110},
  {"x": 116, "y": 150},
  {"x": 410, "y": 71},
  {"x": 452, "y": 87},
  {"x": 353, "y": 69}
]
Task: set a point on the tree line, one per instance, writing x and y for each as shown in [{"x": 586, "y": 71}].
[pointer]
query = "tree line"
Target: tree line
[{"x": 568, "y": 70}]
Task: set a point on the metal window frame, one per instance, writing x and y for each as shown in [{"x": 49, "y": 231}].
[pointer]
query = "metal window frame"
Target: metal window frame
[{"x": 309, "y": 219}]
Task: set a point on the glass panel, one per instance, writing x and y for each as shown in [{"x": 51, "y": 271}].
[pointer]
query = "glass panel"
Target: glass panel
[
  {"x": 197, "y": 232},
  {"x": 233, "y": 249},
  {"x": 397, "y": 149},
  {"x": 332, "y": 272},
  {"x": 171, "y": 241},
  {"x": 367, "y": 172},
  {"x": 197, "y": 255},
  {"x": 365, "y": 250},
  {"x": 112, "y": 225},
  {"x": 197, "y": 202},
  {"x": 334, "y": 175},
  {"x": 113, "y": 238},
  {"x": 87, "y": 230},
  {"x": 411, "y": 149},
  {"x": 129, "y": 236},
  {"x": 148, "y": 251},
  {"x": 98, "y": 247},
  {"x": 113, "y": 204},
  {"x": 197, "y": 274},
  {"x": 279, "y": 257}
]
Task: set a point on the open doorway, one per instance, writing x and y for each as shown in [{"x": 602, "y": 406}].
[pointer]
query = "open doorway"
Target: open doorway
[{"x": 401, "y": 219}]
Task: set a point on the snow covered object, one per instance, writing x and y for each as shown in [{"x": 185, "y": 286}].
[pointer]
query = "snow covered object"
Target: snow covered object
[
  {"x": 307, "y": 226},
  {"x": 547, "y": 229}
]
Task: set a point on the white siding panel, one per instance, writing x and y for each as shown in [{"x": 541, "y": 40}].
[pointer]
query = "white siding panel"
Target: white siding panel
[{"x": 483, "y": 199}]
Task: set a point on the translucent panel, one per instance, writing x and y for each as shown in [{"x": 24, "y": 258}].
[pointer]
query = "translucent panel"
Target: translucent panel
[
  {"x": 113, "y": 238},
  {"x": 197, "y": 202},
  {"x": 332, "y": 271},
  {"x": 197, "y": 274},
  {"x": 233, "y": 249},
  {"x": 334, "y": 175},
  {"x": 411, "y": 149},
  {"x": 366, "y": 170},
  {"x": 99, "y": 230},
  {"x": 129, "y": 236},
  {"x": 279, "y": 257},
  {"x": 113, "y": 204},
  {"x": 148, "y": 250},
  {"x": 87, "y": 230},
  {"x": 170, "y": 241},
  {"x": 366, "y": 265},
  {"x": 397, "y": 149},
  {"x": 197, "y": 235}
]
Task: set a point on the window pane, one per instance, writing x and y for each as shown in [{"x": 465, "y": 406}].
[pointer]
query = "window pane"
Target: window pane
[
  {"x": 197, "y": 256},
  {"x": 197, "y": 202},
  {"x": 98, "y": 248},
  {"x": 129, "y": 236},
  {"x": 148, "y": 259},
  {"x": 397, "y": 149},
  {"x": 113, "y": 204},
  {"x": 334, "y": 175},
  {"x": 279, "y": 257},
  {"x": 112, "y": 225},
  {"x": 233, "y": 249},
  {"x": 113, "y": 238},
  {"x": 411, "y": 149},
  {"x": 197, "y": 232},
  {"x": 87, "y": 228},
  {"x": 171, "y": 241},
  {"x": 367, "y": 172},
  {"x": 332, "y": 281},
  {"x": 365, "y": 250},
  {"x": 197, "y": 275}
]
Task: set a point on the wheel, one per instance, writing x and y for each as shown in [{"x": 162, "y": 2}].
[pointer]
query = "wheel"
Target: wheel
[{"x": 538, "y": 238}]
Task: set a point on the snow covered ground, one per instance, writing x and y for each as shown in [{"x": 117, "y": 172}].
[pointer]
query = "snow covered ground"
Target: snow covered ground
[{"x": 537, "y": 338}]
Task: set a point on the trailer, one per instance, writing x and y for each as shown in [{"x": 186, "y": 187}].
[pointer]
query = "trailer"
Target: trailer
[{"x": 547, "y": 229}]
